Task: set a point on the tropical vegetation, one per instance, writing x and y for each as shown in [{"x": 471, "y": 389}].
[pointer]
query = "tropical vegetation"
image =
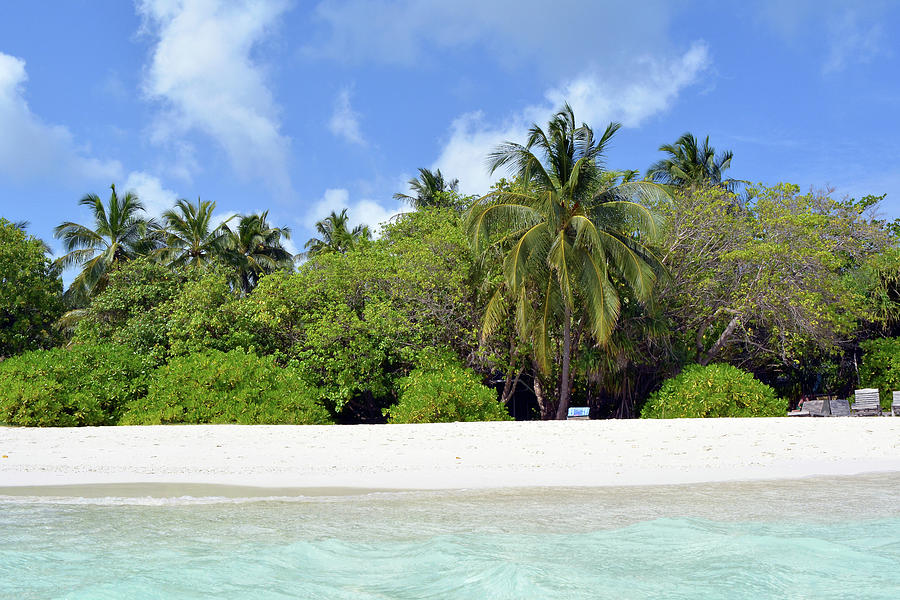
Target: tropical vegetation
[{"x": 678, "y": 293}]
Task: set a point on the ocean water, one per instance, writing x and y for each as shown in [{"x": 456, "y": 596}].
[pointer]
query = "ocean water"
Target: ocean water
[{"x": 813, "y": 538}]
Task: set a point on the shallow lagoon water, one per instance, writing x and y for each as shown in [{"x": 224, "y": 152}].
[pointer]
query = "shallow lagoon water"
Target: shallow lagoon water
[{"x": 812, "y": 538}]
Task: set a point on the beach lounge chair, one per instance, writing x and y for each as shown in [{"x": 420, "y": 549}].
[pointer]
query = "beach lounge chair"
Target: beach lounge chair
[
  {"x": 817, "y": 408},
  {"x": 840, "y": 408},
  {"x": 895, "y": 405},
  {"x": 867, "y": 403}
]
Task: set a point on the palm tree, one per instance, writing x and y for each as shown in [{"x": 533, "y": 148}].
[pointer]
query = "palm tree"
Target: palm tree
[
  {"x": 430, "y": 190},
  {"x": 335, "y": 235},
  {"x": 254, "y": 249},
  {"x": 120, "y": 233},
  {"x": 690, "y": 165},
  {"x": 569, "y": 233},
  {"x": 190, "y": 237}
]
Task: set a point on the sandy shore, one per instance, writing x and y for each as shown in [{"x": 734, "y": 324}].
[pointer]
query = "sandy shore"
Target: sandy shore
[{"x": 457, "y": 455}]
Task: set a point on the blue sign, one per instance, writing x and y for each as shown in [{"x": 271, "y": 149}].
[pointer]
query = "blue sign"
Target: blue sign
[{"x": 579, "y": 411}]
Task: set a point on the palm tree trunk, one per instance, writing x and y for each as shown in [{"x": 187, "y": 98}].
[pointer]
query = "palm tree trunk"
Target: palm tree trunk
[
  {"x": 545, "y": 407},
  {"x": 565, "y": 383}
]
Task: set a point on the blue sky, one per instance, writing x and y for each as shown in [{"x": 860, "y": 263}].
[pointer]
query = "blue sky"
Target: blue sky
[{"x": 303, "y": 107}]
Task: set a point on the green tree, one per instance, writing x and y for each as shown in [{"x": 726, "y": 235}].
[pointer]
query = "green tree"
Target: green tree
[
  {"x": 430, "y": 190},
  {"x": 692, "y": 165},
  {"x": 190, "y": 237},
  {"x": 254, "y": 248},
  {"x": 119, "y": 234},
  {"x": 568, "y": 235},
  {"x": 336, "y": 236},
  {"x": 768, "y": 283},
  {"x": 30, "y": 292},
  {"x": 135, "y": 308}
]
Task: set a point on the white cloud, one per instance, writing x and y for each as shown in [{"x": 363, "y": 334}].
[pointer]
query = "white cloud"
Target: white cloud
[
  {"x": 203, "y": 74},
  {"x": 645, "y": 89},
  {"x": 549, "y": 35},
  {"x": 344, "y": 121},
  {"x": 852, "y": 41},
  {"x": 360, "y": 212},
  {"x": 851, "y": 34},
  {"x": 30, "y": 147},
  {"x": 149, "y": 189}
]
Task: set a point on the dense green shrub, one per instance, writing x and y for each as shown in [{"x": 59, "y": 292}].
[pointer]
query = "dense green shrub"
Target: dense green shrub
[
  {"x": 880, "y": 367},
  {"x": 206, "y": 316},
  {"x": 717, "y": 390},
  {"x": 84, "y": 385},
  {"x": 232, "y": 387},
  {"x": 443, "y": 392},
  {"x": 134, "y": 308},
  {"x": 30, "y": 292}
]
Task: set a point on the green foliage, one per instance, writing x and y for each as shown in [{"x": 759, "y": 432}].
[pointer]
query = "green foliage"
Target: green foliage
[
  {"x": 880, "y": 367},
  {"x": 30, "y": 292},
  {"x": 232, "y": 387},
  {"x": 206, "y": 315},
  {"x": 84, "y": 385},
  {"x": 350, "y": 322},
  {"x": 441, "y": 390},
  {"x": 135, "y": 307},
  {"x": 769, "y": 282},
  {"x": 717, "y": 390}
]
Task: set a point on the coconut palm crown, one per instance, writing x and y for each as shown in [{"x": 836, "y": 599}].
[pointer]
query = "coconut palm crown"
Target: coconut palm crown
[
  {"x": 254, "y": 248},
  {"x": 569, "y": 233},
  {"x": 336, "y": 236},
  {"x": 120, "y": 233},
  {"x": 692, "y": 165},
  {"x": 429, "y": 190},
  {"x": 190, "y": 238}
]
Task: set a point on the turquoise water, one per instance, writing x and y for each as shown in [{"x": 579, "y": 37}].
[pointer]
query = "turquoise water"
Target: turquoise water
[{"x": 826, "y": 538}]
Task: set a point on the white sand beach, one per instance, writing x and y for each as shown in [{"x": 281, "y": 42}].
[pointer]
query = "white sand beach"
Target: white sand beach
[{"x": 456, "y": 455}]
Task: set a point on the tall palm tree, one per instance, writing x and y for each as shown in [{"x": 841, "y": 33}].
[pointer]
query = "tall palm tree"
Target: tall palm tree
[
  {"x": 190, "y": 238},
  {"x": 569, "y": 234},
  {"x": 430, "y": 190},
  {"x": 254, "y": 248},
  {"x": 335, "y": 235},
  {"x": 691, "y": 165},
  {"x": 120, "y": 233}
]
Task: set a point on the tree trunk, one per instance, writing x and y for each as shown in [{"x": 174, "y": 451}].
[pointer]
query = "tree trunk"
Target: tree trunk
[
  {"x": 544, "y": 406},
  {"x": 510, "y": 387},
  {"x": 729, "y": 329},
  {"x": 510, "y": 383},
  {"x": 565, "y": 383}
]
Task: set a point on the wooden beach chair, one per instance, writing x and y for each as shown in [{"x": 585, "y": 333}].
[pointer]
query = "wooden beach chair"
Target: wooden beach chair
[
  {"x": 867, "y": 403},
  {"x": 840, "y": 408},
  {"x": 895, "y": 404},
  {"x": 817, "y": 408}
]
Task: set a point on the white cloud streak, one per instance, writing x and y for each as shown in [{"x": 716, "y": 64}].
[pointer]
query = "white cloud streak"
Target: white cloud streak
[
  {"x": 30, "y": 147},
  {"x": 546, "y": 35},
  {"x": 637, "y": 93},
  {"x": 202, "y": 73},
  {"x": 344, "y": 122},
  {"x": 150, "y": 191},
  {"x": 853, "y": 41}
]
